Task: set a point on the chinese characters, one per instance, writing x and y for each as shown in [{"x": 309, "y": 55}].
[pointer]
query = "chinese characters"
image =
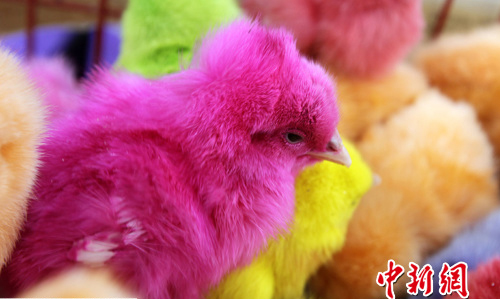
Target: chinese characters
[{"x": 451, "y": 279}]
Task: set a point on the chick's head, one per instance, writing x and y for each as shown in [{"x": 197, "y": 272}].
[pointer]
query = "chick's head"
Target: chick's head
[{"x": 264, "y": 99}]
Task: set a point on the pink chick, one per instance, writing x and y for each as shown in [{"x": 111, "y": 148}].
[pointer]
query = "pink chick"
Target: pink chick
[
  {"x": 360, "y": 38},
  {"x": 172, "y": 183},
  {"x": 367, "y": 38},
  {"x": 482, "y": 283}
]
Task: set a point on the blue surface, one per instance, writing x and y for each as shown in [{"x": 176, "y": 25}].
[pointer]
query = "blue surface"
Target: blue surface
[
  {"x": 54, "y": 40},
  {"x": 475, "y": 245}
]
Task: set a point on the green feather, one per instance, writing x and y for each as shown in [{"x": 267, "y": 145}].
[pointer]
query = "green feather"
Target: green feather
[{"x": 159, "y": 35}]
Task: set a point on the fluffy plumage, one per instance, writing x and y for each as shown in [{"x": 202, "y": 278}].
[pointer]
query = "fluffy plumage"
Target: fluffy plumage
[
  {"x": 475, "y": 245},
  {"x": 376, "y": 99},
  {"x": 326, "y": 196},
  {"x": 56, "y": 80},
  {"x": 21, "y": 128},
  {"x": 484, "y": 283},
  {"x": 159, "y": 35},
  {"x": 437, "y": 172},
  {"x": 79, "y": 283},
  {"x": 466, "y": 67},
  {"x": 171, "y": 183},
  {"x": 360, "y": 38}
]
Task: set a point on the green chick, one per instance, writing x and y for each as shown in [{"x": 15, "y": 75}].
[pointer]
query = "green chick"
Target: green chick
[{"x": 158, "y": 36}]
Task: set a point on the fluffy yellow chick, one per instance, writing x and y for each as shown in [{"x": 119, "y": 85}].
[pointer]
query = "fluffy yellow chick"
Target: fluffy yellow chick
[
  {"x": 437, "y": 172},
  {"x": 21, "y": 126},
  {"x": 467, "y": 67},
  {"x": 365, "y": 102},
  {"x": 326, "y": 196},
  {"x": 79, "y": 283}
]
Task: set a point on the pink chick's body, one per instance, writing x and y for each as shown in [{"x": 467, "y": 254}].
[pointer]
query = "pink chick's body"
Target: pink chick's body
[{"x": 172, "y": 183}]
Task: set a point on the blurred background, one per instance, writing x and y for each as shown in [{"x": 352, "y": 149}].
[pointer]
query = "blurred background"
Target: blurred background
[
  {"x": 463, "y": 13},
  {"x": 83, "y": 12},
  {"x": 88, "y": 31}
]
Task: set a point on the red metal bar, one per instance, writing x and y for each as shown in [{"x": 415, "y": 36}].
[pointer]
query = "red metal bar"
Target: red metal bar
[
  {"x": 101, "y": 18},
  {"x": 30, "y": 27},
  {"x": 441, "y": 20},
  {"x": 77, "y": 7}
]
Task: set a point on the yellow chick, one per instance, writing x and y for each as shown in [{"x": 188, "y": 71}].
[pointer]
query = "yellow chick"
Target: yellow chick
[
  {"x": 21, "y": 126},
  {"x": 326, "y": 196}
]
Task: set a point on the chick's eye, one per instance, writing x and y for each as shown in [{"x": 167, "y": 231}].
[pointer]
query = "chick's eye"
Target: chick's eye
[{"x": 293, "y": 138}]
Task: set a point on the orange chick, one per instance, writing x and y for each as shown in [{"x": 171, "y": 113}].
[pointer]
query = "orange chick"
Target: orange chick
[
  {"x": 437, "y": 172},
  {"x": 365, "y": 102},
  {"x": 21, "y": 126},
  {"x": 466, "y": 67}
]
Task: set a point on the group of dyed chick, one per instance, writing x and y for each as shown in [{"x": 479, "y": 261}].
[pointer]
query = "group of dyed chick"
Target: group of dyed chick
[
  {"x": 335, "y": 198},
  {"x": 458, "y": 184},
  {"x": 172, "y": 208},
  {"x": 458, "y": 187},
  {"x": 311, "y": 240},
  {"x": 22, "y": 125}
]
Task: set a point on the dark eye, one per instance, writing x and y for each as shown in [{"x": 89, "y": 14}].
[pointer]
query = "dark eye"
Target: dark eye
[{"x": 293, "y": 138}]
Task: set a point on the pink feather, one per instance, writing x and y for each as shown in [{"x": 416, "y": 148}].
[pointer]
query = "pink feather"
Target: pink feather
[
  {"x": 172, "y": 183},
  {"x": 55, "y": 79}
]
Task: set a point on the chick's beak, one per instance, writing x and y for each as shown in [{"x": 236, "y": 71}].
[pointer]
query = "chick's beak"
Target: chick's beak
[{"x": 335, "y": 152}]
